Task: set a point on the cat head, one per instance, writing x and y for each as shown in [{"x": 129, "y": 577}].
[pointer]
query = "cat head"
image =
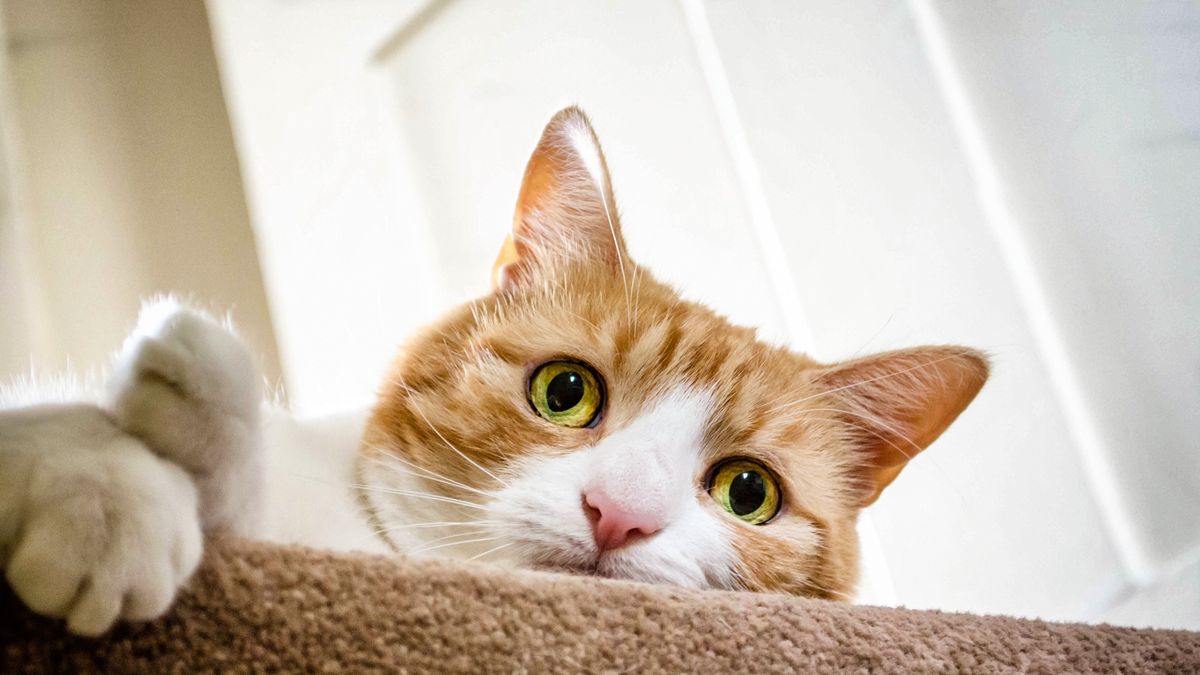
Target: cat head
[{"x": 583, "y": 417}]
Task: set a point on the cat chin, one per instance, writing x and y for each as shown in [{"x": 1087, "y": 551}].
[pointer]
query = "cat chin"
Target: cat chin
[
  {"x": 577, "y": 562},
  {"x": 619, "y": 565},
  {"x": 596, "y": 569}
]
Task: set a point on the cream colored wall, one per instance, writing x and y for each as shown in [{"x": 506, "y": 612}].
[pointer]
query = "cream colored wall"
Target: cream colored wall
[
  {"x": 125, "y": 181},
  {"x": 16, "y": 330}
]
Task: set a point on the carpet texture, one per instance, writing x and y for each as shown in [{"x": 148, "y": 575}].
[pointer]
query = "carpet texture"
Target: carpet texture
[{"x": 255, "y": 607}]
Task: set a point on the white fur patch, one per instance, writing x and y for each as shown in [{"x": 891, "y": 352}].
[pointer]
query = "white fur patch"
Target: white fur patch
[
  {"x": 650, "y": 466},
  {"x": 309, "y": 471},
  {"x": 589, "y": 153}
]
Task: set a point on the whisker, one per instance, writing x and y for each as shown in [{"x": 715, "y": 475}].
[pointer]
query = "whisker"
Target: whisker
[
  {"x": 861, "y": 427},
  {"x": 426, "y": 549},
  {"x": 612, "y": 228},
  {"x": 860, "y": 383},
  {"x": 430, "y": 524},
  {"x": 428, "y": 473},
  {"x": 456, "y": 535},
  {"x": 490, "y": 551},
  {"x": 418, "y": 495},
  {"x": 870, "y": 418},
  {"x": 945, "y": 475},
  {"x": 387, "y": 490},
  {"x": 637, "y": 293},
  {"x": 412, "y": 397},
  {"x": 874, "y": 335}
]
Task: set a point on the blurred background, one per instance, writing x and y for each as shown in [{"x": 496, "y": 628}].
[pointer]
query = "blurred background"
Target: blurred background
[{"x": 1022, "y": 177}]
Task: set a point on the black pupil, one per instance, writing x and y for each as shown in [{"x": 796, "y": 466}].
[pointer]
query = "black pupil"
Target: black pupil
[
  {"x": 565, "y": 391},
  {"x": 747, "y": 492}
]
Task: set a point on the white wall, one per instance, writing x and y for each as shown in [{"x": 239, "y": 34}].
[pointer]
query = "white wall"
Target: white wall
[
  {"x": 1094, "y": 134},
  {"x": 851, "y": 177},
  {"x": 18, "y": 330},
  {"x": 121, "y": 181}
]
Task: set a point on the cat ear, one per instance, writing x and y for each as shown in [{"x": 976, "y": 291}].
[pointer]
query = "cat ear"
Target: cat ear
[
  {"x": 565, "y": 212},
  {"x": 895, "y": 404}
]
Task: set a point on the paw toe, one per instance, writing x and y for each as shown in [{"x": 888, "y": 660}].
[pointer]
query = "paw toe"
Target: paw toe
[
  {"x": 151, "y": 594},
  {"x": 96, "y": 611},
  {"x": 44, "y": 579},
  {"x": 187, "y": 550}
]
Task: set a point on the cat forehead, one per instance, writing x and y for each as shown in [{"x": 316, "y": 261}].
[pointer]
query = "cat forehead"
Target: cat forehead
[{"x": 649, "y": 330}]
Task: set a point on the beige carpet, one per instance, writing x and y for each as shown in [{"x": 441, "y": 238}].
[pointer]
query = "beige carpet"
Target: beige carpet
[{"x": 255, "y": 607}]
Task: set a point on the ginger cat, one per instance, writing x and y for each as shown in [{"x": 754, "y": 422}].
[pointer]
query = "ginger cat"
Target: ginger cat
[{"x": 581, "y": 418}]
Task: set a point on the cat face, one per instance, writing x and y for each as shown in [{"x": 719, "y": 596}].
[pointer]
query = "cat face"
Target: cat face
[{"x": 584, "y": 418}]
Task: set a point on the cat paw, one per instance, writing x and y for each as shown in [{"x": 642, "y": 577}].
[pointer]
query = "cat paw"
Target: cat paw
[
  {"x": 188, "y": 387},
  {"x": 109, "y": 532},
  {"x": 179, "y": 361}
]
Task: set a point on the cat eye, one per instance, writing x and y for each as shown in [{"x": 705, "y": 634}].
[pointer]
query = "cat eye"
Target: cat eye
[
  {"x": 566, "y": 393},
  {"x": 746, "y": 489}
]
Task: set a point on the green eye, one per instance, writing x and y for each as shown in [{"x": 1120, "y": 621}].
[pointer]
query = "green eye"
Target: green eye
[
  {"x": 746, "y": 489},
  {"x": 566, "y": 393}
]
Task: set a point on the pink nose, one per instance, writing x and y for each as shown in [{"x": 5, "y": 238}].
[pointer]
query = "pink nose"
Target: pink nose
[{"x": 612, "y": 524}]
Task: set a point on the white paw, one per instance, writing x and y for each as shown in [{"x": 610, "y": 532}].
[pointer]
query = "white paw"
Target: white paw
[
  {"x": 191, "y": 353},
  {"x": 187, "y": 386},
  {"x": 109, "y": 532}
]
